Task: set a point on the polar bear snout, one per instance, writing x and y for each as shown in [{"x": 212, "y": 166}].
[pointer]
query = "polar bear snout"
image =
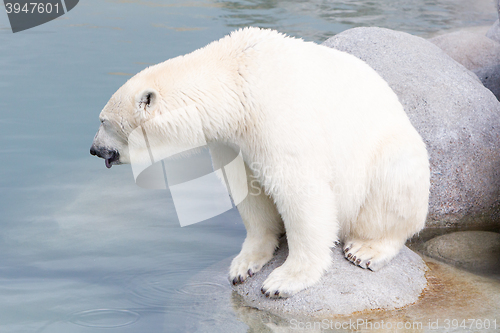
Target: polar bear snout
[{"x": 111, "y": 156}]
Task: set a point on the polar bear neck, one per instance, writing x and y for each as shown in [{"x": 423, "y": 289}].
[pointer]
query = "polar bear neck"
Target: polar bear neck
[{"x": 216, "y": 83}]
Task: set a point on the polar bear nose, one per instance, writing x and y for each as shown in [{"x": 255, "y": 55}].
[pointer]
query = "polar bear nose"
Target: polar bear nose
[
  {"x": 102, "y": 152},
  {"x": 93, "y": 151},
  {"x": 97, "y": 151}
]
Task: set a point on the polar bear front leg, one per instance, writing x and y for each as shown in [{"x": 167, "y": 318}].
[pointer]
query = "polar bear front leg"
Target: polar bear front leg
[
  {"x": 311, "y": 228},
  {"x": 264, "y": 226}
]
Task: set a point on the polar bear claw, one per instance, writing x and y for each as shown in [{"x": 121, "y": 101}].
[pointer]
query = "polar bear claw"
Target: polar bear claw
[{"x": 372, "y": 254}]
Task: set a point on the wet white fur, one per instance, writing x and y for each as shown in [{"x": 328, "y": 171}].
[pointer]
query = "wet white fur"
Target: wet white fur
[{"x": 329, "y": 149}]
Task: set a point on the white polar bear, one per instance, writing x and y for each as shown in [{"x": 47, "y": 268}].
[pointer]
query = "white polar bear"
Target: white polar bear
[{"x": 324, "y": 139}]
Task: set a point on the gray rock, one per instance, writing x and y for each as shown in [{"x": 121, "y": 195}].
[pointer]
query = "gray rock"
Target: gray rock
[
  {"x": 477, "y": 53},
  {"x": 494, "y": 32},
  {"x": 343, "y": 290},
  {"x": 450, "y": 293},
  {"x": 458, "y": 118},
  {"x": 472, "y": 50},
  {"x": 478, "y": 251},
  {"x": 490, "y": 77}
]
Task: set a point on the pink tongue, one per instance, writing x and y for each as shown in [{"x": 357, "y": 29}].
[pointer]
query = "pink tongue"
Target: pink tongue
[{"x": 108, "y": 165}]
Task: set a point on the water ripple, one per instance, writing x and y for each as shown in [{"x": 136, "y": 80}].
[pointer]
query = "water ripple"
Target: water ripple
[
  {"x": 104, "y": 318},
  {"x": 201, "y": 289},
  {"x": 165, "y": 290}
]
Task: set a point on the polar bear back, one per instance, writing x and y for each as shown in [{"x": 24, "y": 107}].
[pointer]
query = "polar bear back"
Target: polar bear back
[{"x": 325, "y": 109}]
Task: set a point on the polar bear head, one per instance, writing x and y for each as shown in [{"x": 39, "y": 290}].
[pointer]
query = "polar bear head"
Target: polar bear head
[
  {"x": 184, "y": 102},
  {"x": 130, "y": 106}
]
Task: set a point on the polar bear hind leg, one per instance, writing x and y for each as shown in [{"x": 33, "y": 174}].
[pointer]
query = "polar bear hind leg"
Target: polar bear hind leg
[
  {"x": 371, "y": 253},
  {"x": 394, "y": 210}
]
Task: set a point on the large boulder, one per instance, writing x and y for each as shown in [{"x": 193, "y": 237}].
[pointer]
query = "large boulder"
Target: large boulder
[
  {"x": 478, "y": 251},
  {"x": 494, "y": 32},
  {"x": 477, "y": 53},
  {"x": 490, "y": 77},
  {"x": 458, "y": 118},
  {"x": 472, "y": 50}
]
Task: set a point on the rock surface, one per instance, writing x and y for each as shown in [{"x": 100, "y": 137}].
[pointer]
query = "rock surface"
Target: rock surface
[
  {"x": 450, "y": 293},
  {"x": 494, "y": 32},
  {"x": 343, "y": 290},
  {"x": 490, "y": 77},
  {"x": 473, "y": 250},
  {"x": 477, "y": 53},
  {"x": 472, "y": 50},
  {"x": 458, "y": 118}
]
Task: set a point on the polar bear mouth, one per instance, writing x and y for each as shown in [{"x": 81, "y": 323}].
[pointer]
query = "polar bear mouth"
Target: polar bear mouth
[
  {"x": 108, "y": 163},
  {"x": 111, "y": 160},
  {"x": 110, "y": 156}
]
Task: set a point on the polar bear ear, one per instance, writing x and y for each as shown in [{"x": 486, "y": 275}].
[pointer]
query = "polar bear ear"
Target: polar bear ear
[{"x": 145, "y": 102}]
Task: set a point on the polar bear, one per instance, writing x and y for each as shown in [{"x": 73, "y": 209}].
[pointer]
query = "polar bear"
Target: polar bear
[{"x": 323, "y": 137}]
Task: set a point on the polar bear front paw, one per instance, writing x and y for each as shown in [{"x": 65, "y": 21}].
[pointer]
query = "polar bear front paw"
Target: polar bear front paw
[
  {"x": 247, "y": 264},
  {"x": 284, "y": 281}
]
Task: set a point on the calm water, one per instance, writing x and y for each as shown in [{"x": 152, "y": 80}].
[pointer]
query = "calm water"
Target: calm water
[{"x": 83, "y": 249}]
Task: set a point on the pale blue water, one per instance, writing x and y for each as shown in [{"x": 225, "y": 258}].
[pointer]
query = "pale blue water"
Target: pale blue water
[{"x": 82, "y": 248}]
